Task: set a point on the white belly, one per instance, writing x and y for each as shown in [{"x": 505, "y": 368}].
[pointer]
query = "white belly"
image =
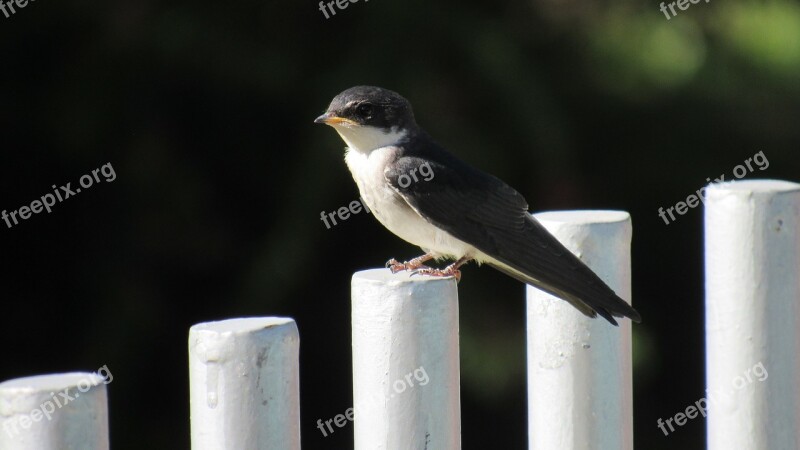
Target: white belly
[{"x": 392, "y": 211}]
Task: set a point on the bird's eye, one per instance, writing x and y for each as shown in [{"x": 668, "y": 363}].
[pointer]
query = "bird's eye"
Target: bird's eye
[{"x": 364, "y": 110}]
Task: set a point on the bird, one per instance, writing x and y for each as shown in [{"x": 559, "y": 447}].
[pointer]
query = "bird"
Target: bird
[{"x": 430, "y": 198}]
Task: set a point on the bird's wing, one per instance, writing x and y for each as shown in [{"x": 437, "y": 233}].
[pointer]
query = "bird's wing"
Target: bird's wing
[{"x": 486, "y": 213}]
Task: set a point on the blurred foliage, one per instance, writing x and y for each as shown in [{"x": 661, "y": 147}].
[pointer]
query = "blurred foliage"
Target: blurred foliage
[
  {"x": 640, "y": 57},
  {"x": 205, "y": 111}
]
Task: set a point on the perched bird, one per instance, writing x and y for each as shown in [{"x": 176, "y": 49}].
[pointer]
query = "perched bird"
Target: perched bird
[{"x": 428, "y": 197}]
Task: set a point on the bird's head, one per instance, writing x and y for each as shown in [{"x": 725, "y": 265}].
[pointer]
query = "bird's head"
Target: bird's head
[{"x": 368, "y": 117}]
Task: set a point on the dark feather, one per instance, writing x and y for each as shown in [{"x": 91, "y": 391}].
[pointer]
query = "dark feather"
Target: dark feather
[{"x": 483, "y": 211}]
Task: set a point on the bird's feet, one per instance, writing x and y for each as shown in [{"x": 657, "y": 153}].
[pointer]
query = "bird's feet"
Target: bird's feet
[
  {"x": 449, "y": 271},
  {"x": 416, "y": 263},
  {"x": 417, "y": 267}
]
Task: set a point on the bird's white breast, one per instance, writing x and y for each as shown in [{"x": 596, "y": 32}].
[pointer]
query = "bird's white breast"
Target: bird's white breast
[{"x": 391, "y": 209}]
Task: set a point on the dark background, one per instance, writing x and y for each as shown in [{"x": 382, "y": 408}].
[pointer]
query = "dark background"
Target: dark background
[{"x": 205, "y": 111}]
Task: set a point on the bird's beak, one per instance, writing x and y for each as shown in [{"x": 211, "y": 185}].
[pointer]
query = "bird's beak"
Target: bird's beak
[{"x": 332, "y": 119}]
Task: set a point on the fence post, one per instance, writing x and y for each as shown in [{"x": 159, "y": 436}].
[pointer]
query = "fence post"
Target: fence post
[
  {"x": 54, "y": 412},
  {"x": 752, "y": 231},
  {"x": 244, "y": 384},
  {"x": 405, "y": 361},
  {"x": 579, "y": 369}
]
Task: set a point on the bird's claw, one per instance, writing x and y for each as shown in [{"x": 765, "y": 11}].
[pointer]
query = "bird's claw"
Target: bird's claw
[
  {"x": 448, "y": 271},
  {"x": 396, "y": 266}
]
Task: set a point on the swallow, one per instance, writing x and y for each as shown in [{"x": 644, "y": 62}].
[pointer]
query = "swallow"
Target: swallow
[{"x": 430, "y": 198}]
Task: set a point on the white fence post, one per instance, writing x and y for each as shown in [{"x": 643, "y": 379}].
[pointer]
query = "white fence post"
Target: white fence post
[
  {"x": 244, "y": 384},
  {"x": 579, "y": 369},
  {"x": 752, "y": 231},
  {"x": 405, "y": 362},
  {"x": 54, "y": 412}
]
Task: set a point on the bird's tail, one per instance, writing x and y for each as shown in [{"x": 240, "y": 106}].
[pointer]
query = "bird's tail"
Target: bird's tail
[
  {"x": 537, "y": 258},
  {"x": 607, "y": 306}
]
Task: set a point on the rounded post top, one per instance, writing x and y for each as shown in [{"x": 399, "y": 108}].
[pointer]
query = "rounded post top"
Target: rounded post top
[
  {"x": 242, "y": 325},
  {"x": 754, "y": 186},
  {"x": 50, "y": 382},
  {"x": 385, "y": 276},
  {"x": 583, "y": 217}
]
